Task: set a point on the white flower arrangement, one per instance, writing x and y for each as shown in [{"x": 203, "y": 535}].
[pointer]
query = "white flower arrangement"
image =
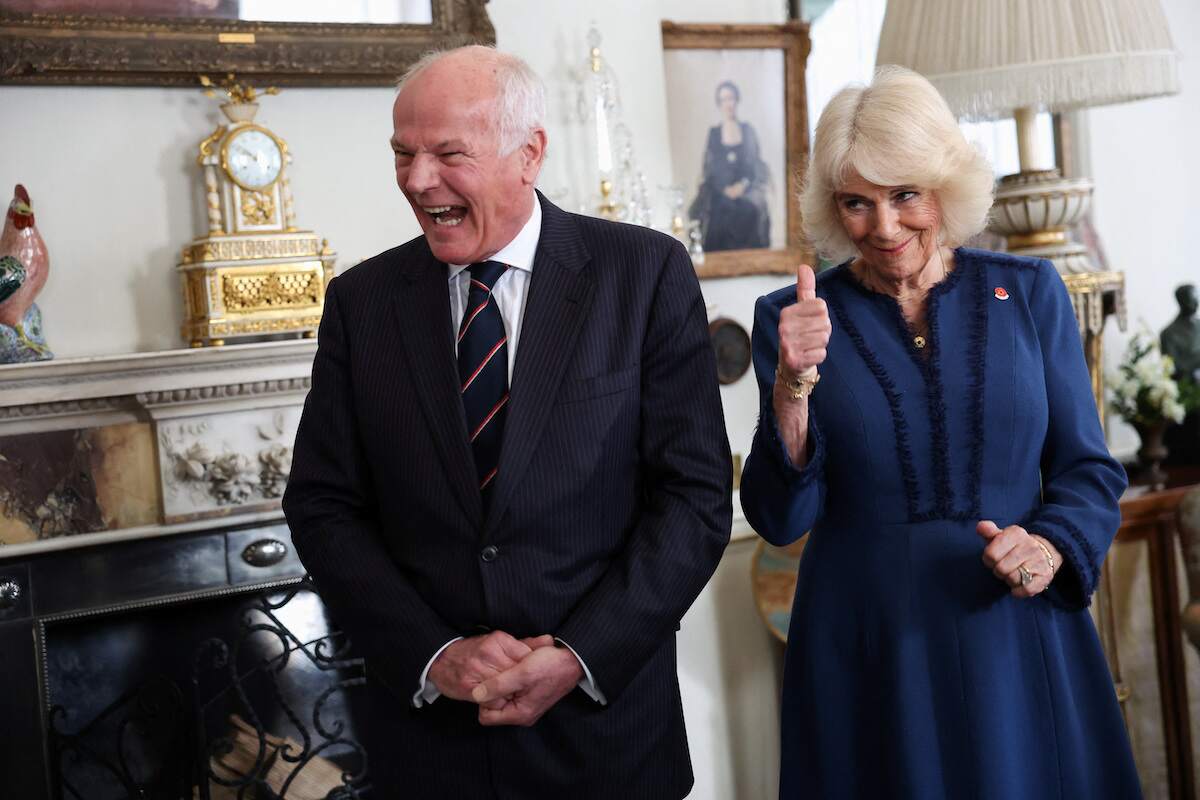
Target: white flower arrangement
[{"x": 1141, "y": 389}]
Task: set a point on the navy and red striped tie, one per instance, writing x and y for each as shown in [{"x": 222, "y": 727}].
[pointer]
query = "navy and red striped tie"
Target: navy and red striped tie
[{"x": 483, "y": 371}]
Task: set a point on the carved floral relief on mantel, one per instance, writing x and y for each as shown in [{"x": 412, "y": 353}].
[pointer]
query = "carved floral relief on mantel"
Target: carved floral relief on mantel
[{"x": 212, "y": 465}]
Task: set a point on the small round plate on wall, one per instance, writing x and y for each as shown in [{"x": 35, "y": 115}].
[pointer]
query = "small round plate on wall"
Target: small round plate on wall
[{"x": 732, "y": 346}]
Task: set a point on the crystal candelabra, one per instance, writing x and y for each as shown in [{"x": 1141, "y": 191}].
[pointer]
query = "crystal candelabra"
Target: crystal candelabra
[
  {"x": 599, "y": 101},
  {"x": 623, "y": 193}
]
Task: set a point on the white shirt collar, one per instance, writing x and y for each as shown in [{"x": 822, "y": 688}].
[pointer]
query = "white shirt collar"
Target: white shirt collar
[{"x": 520, "y": 251}]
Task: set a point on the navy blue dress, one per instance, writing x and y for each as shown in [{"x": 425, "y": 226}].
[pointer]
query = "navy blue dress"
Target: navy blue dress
[{"x": 911, "y": 672}]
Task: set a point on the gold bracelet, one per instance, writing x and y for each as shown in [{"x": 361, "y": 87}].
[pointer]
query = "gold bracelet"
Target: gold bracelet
[
  {"x": 1046, "y": 550},
  {"x": 801, "y": 385}
]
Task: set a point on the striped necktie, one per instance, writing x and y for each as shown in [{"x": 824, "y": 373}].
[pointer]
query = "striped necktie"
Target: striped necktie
[{"x": 483, "y": 371}]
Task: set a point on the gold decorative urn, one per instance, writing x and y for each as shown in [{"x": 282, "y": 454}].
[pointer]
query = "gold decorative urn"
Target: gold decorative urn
[{"x": 254, "y": 272}]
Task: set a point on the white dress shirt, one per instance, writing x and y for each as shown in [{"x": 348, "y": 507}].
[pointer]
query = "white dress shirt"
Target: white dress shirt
[
  {"x": 511, "y": 288},
  {"x": 510, "y": 291}
]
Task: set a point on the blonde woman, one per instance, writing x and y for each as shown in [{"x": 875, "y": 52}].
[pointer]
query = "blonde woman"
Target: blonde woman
[{"x": 952, "y": 470}]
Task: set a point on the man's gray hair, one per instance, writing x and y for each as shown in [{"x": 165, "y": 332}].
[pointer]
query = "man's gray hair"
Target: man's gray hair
[{"x": 520, "y": 93}]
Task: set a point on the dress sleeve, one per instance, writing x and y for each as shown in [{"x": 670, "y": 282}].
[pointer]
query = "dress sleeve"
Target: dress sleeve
[
  {"x": 759, "y": 173},
  {"x": 781, "y": 502},
  {"x": 1081, "y": 482}
]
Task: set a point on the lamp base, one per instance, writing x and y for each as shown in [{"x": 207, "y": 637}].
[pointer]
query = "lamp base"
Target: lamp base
[{"x": 1033, "y": 211}]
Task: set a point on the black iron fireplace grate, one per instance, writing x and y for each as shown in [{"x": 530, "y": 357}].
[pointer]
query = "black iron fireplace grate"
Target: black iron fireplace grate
[{"x": 213, "y": 699}]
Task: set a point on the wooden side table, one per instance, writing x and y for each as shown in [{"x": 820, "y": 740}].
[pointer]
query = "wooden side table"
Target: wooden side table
[{"x": 1151, "y": 517}]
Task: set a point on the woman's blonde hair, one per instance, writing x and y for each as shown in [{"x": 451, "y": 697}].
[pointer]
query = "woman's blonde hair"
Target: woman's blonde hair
[{"x": 897, "y": 131}]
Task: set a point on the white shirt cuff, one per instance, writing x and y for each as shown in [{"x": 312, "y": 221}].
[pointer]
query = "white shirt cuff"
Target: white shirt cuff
[
  {"x": 426, "y": 691},
  {"x": 588, "y": 684}
]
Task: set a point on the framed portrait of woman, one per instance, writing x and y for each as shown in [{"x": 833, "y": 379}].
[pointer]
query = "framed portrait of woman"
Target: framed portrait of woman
[{"x": 738, "y": 127}]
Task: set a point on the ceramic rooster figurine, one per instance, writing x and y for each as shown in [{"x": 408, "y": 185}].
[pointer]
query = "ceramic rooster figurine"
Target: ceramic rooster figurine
[{"x": 24, "y": 267}]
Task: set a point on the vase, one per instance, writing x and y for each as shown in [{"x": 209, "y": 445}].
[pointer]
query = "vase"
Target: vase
[
  {"x": 1152, "y": 452},
  {"x": 239, "y": 112}
]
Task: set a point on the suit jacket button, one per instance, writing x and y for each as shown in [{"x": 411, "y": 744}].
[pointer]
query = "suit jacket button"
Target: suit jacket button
[{"x": 490, "y": 553}]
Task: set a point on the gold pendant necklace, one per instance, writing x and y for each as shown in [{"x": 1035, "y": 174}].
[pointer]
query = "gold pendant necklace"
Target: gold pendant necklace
[{"x": 919, "y": 333}]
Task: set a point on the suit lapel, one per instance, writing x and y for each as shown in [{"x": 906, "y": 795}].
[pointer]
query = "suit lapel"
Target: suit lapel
[
  {"x": 422, "y": 309},
  {"x": 560, "y": 294}
]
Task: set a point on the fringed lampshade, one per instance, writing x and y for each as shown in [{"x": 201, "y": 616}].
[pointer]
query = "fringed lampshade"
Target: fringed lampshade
[
  {"x": 996, "y": 58},
  {"x": 989, "y": 57}
]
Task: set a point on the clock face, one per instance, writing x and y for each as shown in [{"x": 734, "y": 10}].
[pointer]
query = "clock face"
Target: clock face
[{"x": 253, "y": 159}]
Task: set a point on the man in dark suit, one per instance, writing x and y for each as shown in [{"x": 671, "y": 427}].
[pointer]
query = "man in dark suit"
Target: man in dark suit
[{"x": 519, "y": 534}]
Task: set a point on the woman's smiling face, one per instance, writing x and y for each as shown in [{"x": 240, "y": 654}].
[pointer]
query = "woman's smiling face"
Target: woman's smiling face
[{"x": 894, "y": 228}]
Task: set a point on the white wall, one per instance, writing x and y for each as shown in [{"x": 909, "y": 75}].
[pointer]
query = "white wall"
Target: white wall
[
  {"x": 730, "y": 676},
  {"x": 844, "y": 40}
]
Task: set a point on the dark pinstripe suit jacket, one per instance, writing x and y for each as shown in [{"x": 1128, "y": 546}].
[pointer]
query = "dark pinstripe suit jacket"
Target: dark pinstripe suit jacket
[{"x": 611, "y": 506}]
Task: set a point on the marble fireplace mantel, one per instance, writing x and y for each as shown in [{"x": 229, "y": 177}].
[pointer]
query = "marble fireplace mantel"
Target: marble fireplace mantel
[
  {"x": 94, "y": 450},
  {"x": 104, "y": 449},
  {"x": 52, "y": 395}
]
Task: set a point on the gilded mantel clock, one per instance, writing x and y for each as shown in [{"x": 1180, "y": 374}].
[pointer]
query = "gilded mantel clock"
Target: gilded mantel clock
[{"x": 254, "y": 272}]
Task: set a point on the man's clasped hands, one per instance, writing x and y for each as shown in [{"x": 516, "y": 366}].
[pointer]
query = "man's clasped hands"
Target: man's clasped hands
[{"x": 514, "y": 681}]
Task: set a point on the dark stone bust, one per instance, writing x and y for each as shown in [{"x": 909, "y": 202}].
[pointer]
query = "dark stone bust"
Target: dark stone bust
[{"x": 1181, "y": 339}]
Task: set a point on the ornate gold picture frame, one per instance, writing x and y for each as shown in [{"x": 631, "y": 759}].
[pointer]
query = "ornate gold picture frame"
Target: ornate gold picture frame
[
  {"x": 701, "y": 61},
  {"x": 39, "y": 48}
]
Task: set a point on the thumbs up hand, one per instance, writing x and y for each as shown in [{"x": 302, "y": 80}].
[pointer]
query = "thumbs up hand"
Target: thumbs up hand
[{"x": 804, "y": 328}]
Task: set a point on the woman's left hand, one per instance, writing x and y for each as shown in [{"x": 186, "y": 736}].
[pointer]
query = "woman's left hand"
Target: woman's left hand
[{"x": 1014, "y": 553}]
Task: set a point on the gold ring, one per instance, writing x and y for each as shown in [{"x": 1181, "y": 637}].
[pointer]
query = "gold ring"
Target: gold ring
[{"x": 1026, "y": 575}]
